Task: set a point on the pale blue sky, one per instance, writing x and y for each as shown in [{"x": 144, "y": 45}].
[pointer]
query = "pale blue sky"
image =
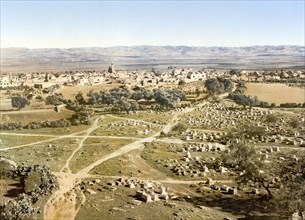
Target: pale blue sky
[{"x": 65, "y": 24}]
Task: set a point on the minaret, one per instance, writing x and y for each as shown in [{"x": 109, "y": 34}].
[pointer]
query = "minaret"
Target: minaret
[{"x": 111, "y": 68}]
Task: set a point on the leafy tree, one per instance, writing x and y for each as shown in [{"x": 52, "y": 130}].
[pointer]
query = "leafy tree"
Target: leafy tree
[
  {"x": 124, "y": 105},
  {"x": 148, "y": 95},
  {"x": 227, "y": 84},
  {"x": 163, "y": 98},
  {"x": 292, "y": 195},
  {"x": 240, "y": 88},
  {"x": 55, "y": 99},
  {"x": 235, "y": 72},
  {"x": 169, "y": 98},
  {"x": 181, "y": 82},
  {"x": 19, "y": 102},
  {"x": 79, "y": 98},
  {"x": 213, "y": 86},
  {"x": 180, "y": 127},
  {"x": 250, "y": 169},
  {"x": 21, "y": 208},
  {"x": 6, "y": 168},
  {"x": 137, "y": 95},
  {"x": 244, "y": 100},
  {"x": 36, "y": 179},
  {"x": 178, "y": 94}
]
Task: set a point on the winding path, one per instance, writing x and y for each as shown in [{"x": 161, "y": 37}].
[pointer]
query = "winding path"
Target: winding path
[{"x": 67, "y": 181}]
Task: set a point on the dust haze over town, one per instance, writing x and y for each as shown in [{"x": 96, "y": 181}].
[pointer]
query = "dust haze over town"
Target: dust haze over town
[{"x": 152, "y": 110}]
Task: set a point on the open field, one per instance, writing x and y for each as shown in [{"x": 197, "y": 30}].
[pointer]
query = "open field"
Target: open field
[
  {"x": 48, "y": 131},
  {"x": 27, "y": 116},
  {"x": 12, "y": 140},
  {"x": 69, "y": 92},
  {"x": 130, "y": 164},
  {"x": 93, "y": 149},
  {"x": 275, "y": 93},
  {"x": 52, "y": 153}
]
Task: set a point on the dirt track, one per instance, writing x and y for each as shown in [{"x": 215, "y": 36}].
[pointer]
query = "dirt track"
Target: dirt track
[{"x": 67, "y": 181}]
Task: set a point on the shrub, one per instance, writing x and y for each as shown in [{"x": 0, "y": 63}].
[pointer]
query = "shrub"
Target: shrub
[
  {"x": 180, "y": 127},
  {"x": 7, "y": 168},
  {"x": 19, "y": 102},
  {"x": 36, "y": 179},
  {"x": 19, "y": 209},
  {"x": 271, "y": 118}
]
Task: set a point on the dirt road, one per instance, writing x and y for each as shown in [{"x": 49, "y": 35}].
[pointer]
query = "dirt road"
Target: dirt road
[{"x": 67, "y": 181}]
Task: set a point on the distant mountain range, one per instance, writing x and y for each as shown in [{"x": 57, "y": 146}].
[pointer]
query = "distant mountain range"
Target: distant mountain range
[{"x": 138, "y": 57}]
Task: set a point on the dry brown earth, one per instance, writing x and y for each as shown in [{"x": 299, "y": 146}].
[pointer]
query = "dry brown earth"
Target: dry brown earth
[{"x": 276, "y": 93}]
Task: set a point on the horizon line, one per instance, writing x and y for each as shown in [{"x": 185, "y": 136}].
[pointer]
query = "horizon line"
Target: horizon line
[{"x": 149, "y": 45}]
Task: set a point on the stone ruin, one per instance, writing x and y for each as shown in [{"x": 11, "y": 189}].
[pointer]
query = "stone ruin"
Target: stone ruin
[{"x": 147, "y": 191}]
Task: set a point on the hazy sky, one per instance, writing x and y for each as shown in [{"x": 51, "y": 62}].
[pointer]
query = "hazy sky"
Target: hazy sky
[{"x": 111, "y": 23}]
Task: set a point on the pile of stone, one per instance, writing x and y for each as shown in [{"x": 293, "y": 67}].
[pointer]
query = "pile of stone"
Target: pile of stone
[
  {"x": 201, "y": 147},
  {"x": 224, "y": 188},
  {"x": 203, "y": 136},
  {"x": 150, "y": 195},
  {"x": 224, "y": 116},
  {"x": 148, "y": 191}
]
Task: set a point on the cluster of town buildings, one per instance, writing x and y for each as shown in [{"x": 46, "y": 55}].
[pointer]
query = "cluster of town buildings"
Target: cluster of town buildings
[{"x": 142, "y": 77}]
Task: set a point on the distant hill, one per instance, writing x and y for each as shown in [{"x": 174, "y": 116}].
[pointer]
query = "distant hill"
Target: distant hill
[{"x": 125, "y": 57}]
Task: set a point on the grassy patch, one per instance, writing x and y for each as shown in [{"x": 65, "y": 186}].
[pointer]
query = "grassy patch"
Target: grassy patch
[
  {"x": 12, "y": 140},
  {"x": 36, "y": 116},
  {"x": 160, "y": 151},
  {"x": 51, "y": 131},
  {"x": 94, "y": 149},
  {"x": 117, "y": 166},
  {"x": 54, "y": 153}
]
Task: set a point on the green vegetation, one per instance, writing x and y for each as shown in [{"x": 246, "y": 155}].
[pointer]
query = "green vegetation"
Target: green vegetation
[
  {"x": 36, "y": 181},
  {"x": 218, "y": 86},
  {"x": 94, "y": 149},
  {"x": 19, "y": 102}
]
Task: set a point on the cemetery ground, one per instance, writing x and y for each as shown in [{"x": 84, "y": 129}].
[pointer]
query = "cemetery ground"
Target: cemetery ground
[{"x": 154, "y": 165}]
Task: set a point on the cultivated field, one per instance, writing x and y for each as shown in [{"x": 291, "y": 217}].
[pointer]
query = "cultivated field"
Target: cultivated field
[
  {"x": 26, "y": 116},
  {"x": 275, "y": 93},
  {"x": 69, "y": 92}
]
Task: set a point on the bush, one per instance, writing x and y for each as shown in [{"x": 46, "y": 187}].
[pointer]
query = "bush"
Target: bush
[
  {"x": 82, "y": 117},
  {"x": 56, "y": 99},
  {"x": 11, "y": 126},
  {"x": 180, "y": 127},
  {"x": 292, "y": 105},
  {"x": 7, "y": 168},
  {"x": 294, "y": 123},
  {"x": 19, "y": 209},
  {"x": 19, "y": 102},
  {"x": 32, "y": 182},
  {"x": 256, "y": 131},
  {"x": 36, "y": 179},
  {"x": 271, "y": 118}
]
